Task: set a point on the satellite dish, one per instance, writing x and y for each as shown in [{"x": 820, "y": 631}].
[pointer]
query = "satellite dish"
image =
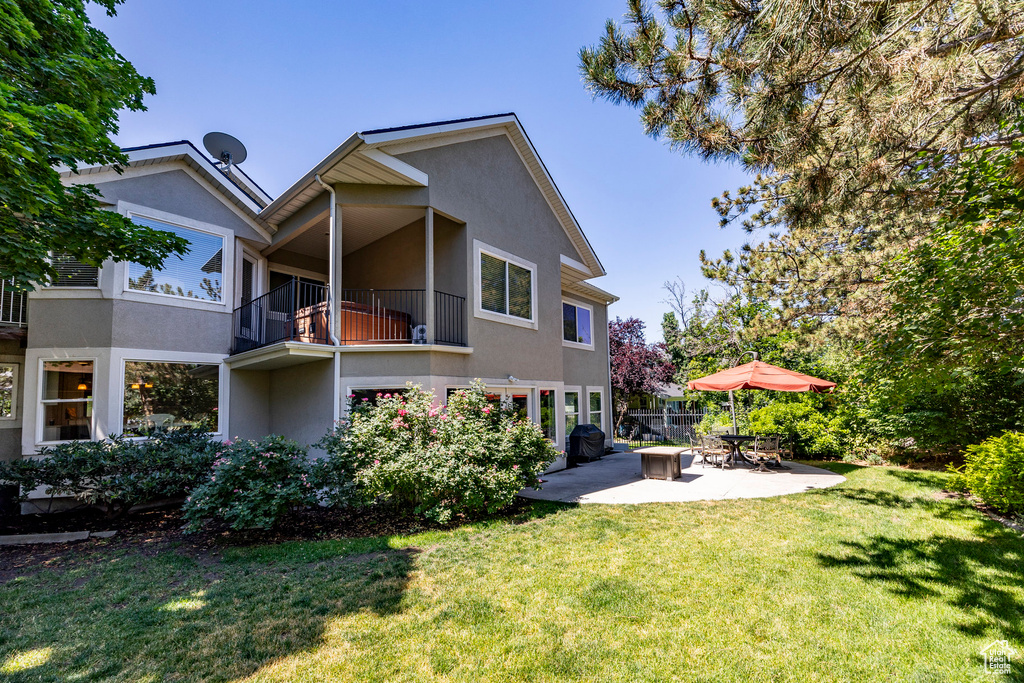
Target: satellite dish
[{"x": 227, "y": 148}]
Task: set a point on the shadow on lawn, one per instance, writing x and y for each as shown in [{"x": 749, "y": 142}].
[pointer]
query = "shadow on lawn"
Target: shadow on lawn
[
  {"x": 165, "y": 615},
  {"x": 950, "y": 509},
  {"x": 173, "y": 617},
  {"x": 976, "y": 575}
]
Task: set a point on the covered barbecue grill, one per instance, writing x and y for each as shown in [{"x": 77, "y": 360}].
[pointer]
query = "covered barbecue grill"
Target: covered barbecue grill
[{"x": 586, "y": 444}]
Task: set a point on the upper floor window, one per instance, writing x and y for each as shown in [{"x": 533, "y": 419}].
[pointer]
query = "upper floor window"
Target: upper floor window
[
  {"x": 577, "y": 324},
  {"x": 72, "y": 273},
  {"x": 506, "y": 287},
  {"x": 195, "y": 275}
]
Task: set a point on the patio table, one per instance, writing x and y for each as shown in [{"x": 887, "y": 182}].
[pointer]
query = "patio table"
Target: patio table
[{"x": 735, "y": 441}]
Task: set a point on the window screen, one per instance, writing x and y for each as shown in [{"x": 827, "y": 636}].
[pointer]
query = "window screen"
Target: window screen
[
  {"x": 492, "y": 284},
  {"x": 72, "y": 273},
  {"x": 520, "y": 292},
  {"x": 248, "y": 271},
  {"x": 196, "y": 275},
  {"x": 161, "y": 396},
  {"x": 505, "y": 287}
]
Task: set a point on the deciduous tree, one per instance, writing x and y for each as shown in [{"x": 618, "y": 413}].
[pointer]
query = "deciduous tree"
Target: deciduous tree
[
  {"x": 61, "y": 86},
  {"x": 637, "y": 367}
]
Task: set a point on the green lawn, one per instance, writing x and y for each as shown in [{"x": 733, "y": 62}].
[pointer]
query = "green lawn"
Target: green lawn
[{"x": 877, "y": 579}]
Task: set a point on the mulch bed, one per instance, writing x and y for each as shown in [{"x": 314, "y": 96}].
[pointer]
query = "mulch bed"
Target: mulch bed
[{"x": 155, "y": 531}]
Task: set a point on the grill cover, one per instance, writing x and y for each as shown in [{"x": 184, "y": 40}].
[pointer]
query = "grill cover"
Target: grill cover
[{"x": 586, "y": 443}]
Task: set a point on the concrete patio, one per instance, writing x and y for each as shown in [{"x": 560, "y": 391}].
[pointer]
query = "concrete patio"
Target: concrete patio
[{"x": 616, "y": 479}]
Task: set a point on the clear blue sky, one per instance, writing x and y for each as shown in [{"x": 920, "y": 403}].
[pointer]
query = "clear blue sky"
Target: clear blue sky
[{"x": 293, "y": 80}]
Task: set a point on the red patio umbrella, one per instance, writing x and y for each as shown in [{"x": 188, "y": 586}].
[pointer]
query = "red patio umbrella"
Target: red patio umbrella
[{"x": 759, "y": 375}]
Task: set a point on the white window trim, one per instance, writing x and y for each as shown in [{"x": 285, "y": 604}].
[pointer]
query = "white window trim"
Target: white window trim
[
  {"x": 128, "y": 210},
  {"x": 222, "y": 393},
  {"x": 478, "y": 310},
  {"x": 604, "y": 413},
  {"x": 40, "y": 402},
  {"x": 578, "y": 345},
  {"x": 259, "y": 275},
  {"x": 14, "y": 419}
]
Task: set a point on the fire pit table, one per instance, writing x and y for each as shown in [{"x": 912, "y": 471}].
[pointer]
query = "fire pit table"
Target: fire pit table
[{"x": 660, "y": 462}]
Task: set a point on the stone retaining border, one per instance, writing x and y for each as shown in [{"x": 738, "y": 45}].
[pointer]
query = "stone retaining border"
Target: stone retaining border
[{"x": 62, "y": 537}]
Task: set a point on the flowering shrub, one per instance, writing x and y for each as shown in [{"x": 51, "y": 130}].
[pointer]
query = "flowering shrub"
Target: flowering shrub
[
  {"x": 118, "y": 473},
  {"x": 252, "y": 485},
  {"x": 468, "y": 458}
]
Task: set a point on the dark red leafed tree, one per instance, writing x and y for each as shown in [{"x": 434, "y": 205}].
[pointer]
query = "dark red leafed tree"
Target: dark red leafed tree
[{"x": 637, "y": 367}]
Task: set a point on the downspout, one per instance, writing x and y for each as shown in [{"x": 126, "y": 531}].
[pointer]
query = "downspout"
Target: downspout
[
  {"x": 608, "y": 352},
  {"x": 331, "y": 281}
]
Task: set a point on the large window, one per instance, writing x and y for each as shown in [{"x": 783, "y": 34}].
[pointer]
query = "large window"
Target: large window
[
  {"x": 160, "y": 396},
  {"x": 8, "y": 390},
  {"x": 576, "y": 324},
  {"x": 67, "y": 400},
  {"x": 506, "y": 286},
  {"x": 196, "y": 275}
]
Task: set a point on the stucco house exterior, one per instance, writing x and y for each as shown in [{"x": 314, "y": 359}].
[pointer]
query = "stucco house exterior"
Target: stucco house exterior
[{"x": 432, "y": 254}]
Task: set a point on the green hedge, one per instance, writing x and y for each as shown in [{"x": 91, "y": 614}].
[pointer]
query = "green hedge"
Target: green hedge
[
  {"x": 117, "y": 473},
  {"x": 994, "y": 472}
]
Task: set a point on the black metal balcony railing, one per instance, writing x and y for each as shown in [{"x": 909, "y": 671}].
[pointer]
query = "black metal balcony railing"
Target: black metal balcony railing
[
  {"x": 299, "y": 311},
  {"x": 449, "y": 319},
  {"x": 13, "y": 305},
  {"x": 295, "y": 311}
]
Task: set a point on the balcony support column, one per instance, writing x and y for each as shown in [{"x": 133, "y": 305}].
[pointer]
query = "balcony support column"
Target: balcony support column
[{"x": 429, "y": 293}]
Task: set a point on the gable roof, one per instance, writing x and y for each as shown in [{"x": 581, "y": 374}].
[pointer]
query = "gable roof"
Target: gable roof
[
  {"x": 367, "y": 158},
  {"x": 186, "y": 152}
]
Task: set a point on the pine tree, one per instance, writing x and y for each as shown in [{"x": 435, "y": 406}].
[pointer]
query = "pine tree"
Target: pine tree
[{"x": 850, "y": 114}]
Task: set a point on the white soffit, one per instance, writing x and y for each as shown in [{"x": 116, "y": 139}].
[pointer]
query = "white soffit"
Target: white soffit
[
  {"x": 352, "y": 162},
  {"x": 587, "y": 290},
  {"x": 360, "y": 226}
]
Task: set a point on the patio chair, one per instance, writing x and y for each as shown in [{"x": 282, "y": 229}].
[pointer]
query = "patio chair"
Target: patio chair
[
  {"x": 785, "y": 447},
  {"x": 767, "y": 448},
  {"x": 712, "y": 447}
]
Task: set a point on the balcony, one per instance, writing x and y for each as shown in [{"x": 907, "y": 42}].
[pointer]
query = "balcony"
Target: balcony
[
  {"x": 296, "y": 311},
  {"x": 300, "y": 312}
]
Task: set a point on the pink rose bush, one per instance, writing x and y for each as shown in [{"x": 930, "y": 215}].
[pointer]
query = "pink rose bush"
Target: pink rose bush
[
  {"x": 252, "y": 485},
  {"x": 405, "y": 450}
]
